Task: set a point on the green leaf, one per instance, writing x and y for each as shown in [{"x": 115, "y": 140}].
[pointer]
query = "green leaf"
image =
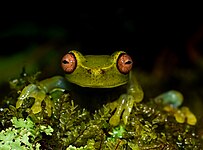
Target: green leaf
[
  {"x": 2, "y": 136},
  {"x": 37, "y": 147},
  {"x": 48, "y": 130},
  {"x": 5, "y": 147},
  {"x": 25, "y": 140},
  {"x": 21, "y": 123},
  {"x": 17, "y": 145},
  {"x": 9, "y": 135}
]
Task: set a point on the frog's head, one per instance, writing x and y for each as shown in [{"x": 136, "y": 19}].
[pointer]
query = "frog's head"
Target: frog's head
[{"x": 97, "y": 71}]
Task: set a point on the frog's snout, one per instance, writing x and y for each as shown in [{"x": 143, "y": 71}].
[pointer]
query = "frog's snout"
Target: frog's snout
[{"x": 95, "y": 71}]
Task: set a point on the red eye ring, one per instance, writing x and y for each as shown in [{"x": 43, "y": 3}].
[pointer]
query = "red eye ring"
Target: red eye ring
[
  {"x": 69, "y": 63},
  {"x": 124, "y": 63}
]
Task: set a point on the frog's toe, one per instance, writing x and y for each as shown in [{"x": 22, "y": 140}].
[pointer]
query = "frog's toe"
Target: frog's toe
[
  {"x": 32, "y": 91},
  {"x": 114, "y": 120},
  {"x": 191, "y": 118},
  {"x": 179, "y": 116},
  {"x": 128, "y": 108},
  {"x": 26, "y": 93},
  {"x": 36, "y": 107},
  {"x": 124, "y": 107},
  {"x": 120, "y": 103}
]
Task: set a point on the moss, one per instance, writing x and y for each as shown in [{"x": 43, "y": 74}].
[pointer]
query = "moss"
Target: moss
[
  {"x": 24, "y": 134},
  {"x": 149, "y": 125}
]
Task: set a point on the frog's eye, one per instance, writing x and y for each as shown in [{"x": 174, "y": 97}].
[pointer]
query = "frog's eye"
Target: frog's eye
[
  {"x": 69, "y": 63},
  {"x": 124, "y": 63}
]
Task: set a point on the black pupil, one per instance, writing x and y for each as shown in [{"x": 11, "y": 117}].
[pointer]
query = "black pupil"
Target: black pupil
[
  {"x": 65, "y": 62},
  {"x": 128, "y": 62}
]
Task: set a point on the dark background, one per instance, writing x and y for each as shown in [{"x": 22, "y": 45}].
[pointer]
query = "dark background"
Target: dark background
[
  {"x": 166, "y": 45},
  {"x": 144, "y": 34}
]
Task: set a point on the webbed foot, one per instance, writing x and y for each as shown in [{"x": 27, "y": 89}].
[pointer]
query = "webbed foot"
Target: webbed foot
[
  {"x": 123, "y": 106},
  {"x": 173, "y": 99},
  {"x": 38, "y": 94}
]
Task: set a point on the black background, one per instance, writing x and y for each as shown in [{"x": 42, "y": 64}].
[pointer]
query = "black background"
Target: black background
[{"x": 97, "y": 30}]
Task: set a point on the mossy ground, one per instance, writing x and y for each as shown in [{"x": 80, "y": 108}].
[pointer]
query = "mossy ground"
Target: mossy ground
[{"x": 149, "y": 125}]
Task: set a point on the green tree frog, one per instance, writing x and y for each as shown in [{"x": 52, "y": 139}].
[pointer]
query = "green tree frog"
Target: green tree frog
[{"x": 92, "y": 72}]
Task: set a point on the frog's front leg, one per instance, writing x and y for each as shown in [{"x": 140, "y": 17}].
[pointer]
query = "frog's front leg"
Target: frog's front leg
[
  {"x": 126, "y": 101},
  {"x": 39, "y": 90}
]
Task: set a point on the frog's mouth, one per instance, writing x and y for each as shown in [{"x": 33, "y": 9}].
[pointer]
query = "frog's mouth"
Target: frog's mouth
[{"x": 100, "y": 85}]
